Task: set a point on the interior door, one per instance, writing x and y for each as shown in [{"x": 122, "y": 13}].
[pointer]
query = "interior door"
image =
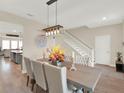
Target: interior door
[{"x": 103, "y": 49}]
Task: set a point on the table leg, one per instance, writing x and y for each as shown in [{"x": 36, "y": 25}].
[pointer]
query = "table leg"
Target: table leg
[
  {"x": 86, "y": 91},
  {"x": 89, "y": 92}
]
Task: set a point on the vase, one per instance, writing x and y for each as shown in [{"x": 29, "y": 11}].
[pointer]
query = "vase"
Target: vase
[{"x": 57, "y": 63}]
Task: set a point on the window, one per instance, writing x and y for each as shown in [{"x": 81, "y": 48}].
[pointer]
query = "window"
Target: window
[
  {"x": 20, "y": 44},
  {"x": 14, "y": 44},
  {"x": 5, "y": 44}
]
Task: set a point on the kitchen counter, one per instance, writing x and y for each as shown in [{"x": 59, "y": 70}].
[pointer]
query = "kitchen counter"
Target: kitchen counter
[
  {"x": 16, "y": 56},
  {"x": 16, "y": 51}
]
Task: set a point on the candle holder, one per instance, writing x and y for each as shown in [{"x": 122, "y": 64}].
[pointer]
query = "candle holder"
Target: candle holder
[
  {"x": 73, "y": 68},
  {"x": 44, "y": 56}
]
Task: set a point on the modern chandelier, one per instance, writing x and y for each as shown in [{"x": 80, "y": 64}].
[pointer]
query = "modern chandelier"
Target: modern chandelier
[{"x": 55, "y": 29}]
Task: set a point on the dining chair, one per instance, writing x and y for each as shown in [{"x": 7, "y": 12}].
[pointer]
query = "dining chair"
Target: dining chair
[
  {"x": 30, "y": 75},
  {"x": 56, "y": 79},
  {"x": 39, "y": 75}
]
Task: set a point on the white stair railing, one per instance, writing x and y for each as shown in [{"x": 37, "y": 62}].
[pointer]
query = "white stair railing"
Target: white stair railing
[
  {"x": 79, "y": 60},
  {"x": 85, "y": 54}
]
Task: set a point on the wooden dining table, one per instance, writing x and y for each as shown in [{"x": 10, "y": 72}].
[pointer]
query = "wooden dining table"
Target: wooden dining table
[{"x": 84, "y": 77}]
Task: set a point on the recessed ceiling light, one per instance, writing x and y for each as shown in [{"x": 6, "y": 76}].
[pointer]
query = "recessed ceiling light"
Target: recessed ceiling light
[
  {"x": 104, "y": 18},
  {"x": 14, "y": 31},
  {"x": 30, "y": 15}
]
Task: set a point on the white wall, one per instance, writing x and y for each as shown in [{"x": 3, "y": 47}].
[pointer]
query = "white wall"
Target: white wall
[
  {"x": 88, "y": 36},
  {"x": 31, "y": 49},
  {"x": 67, "y": 49},
  {"x": 123, "y": 39},
  {"x": 30, "y": 32}
]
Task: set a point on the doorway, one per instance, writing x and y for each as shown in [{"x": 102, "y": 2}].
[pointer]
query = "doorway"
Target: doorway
[{"x": 103, "y": 49}]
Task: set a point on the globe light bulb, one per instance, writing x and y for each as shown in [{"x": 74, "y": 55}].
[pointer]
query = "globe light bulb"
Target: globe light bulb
[
  {"x": 57, "y": 31},
  {"x": 46, "y": 34},
  {"x": 49, "y": 33}
]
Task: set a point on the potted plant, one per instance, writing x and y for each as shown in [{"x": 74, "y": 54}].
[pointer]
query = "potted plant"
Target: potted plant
[
  {"x": 119, "y": 62},
  {"x": 56, "y": 56}
]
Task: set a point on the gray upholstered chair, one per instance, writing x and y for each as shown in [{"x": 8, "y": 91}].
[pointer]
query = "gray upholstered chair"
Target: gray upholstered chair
[
  {"x": 39, "y": 75},
  {"x": 56, "y": 79},
  {"x": 30, "y": 75}
]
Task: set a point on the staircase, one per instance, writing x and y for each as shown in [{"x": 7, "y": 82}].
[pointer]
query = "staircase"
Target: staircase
[{"x": 84, "y": 53}]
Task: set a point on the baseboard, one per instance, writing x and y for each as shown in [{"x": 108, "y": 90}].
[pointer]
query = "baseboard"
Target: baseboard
[{"x": 110, "y": 65}]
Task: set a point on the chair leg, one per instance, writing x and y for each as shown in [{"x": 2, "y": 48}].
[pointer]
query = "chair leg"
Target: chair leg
[
  {"x": 27, "y": 80},
  {"x": 47, "y": 91},
  {"x": 33, "y": 83},
  {"x": 36, "y": 88},
  {"x": 83, "y": 90}
]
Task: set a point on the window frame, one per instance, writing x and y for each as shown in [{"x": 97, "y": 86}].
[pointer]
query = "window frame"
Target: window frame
[{"x": 10, "y": 43}]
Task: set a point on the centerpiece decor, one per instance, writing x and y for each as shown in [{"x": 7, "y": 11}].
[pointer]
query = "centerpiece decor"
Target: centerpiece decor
[{"x": 56, "y": 56}]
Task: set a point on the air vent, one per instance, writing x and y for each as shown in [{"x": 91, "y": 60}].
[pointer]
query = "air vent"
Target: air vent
[{"x": 11, "y": 35}]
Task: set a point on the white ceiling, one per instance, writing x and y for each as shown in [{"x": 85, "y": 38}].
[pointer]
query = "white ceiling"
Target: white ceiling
[
  {"x": 71, "y": 13},
  {"x": 6, "y": 27}
]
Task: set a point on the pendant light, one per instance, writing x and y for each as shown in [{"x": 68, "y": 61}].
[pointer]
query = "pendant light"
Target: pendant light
[{"x": 55, "y": 29}]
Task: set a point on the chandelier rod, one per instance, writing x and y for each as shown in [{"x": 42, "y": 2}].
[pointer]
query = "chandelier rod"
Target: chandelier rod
[
  {"x": 56, "y": 12},
  {"x": 47, "y": 15}
]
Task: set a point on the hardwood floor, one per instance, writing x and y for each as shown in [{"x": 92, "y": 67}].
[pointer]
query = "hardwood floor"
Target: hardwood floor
[
  {"x": 13, "y": 81},
  {"x": 110, "y": 81},
  {"x": 11, "y": 78}
]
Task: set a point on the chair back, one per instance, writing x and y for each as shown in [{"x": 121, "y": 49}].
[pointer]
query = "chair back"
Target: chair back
[
  {"x": 28, "y": 67},
  {"x": 56, "y": 78},
  {"x": 39, "y": 74}
]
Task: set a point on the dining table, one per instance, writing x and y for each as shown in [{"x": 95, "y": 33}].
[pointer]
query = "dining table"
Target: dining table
[{"x": 84, "y": 77}]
